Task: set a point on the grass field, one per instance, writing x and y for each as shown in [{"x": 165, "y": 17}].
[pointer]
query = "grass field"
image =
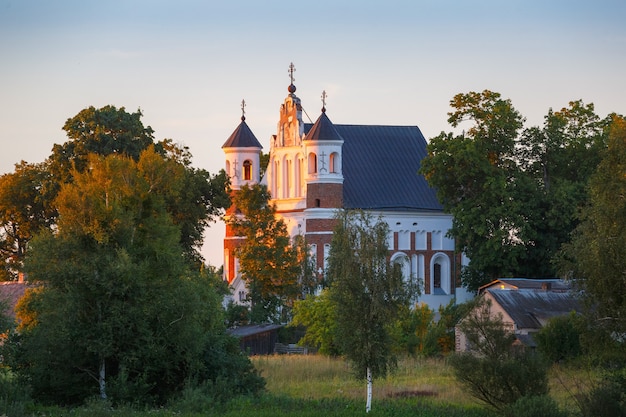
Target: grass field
[
  {"x": 313, "y": 385},
  {"x": 314, "y": 377}
]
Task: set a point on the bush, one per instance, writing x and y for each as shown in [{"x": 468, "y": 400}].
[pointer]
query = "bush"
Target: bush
[
  {"x": 501, "y": 382},
  {"x": 496, "y": 372},
  {"x": 14, "y": 398},
  {"x": 608, "y": 399},
  {"x": 559, "y": 340},
  {"x": 534, "y": 406}
]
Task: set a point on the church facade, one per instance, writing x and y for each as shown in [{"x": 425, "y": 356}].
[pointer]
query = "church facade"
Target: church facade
[{"x": 318, "y": 168}]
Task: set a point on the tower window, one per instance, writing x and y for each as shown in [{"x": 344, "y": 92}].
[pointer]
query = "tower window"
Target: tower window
[
  {"x": 333, "y": 161},
  {"x": 317, "y": 202},
  {"x": 312, "y": 163},
  {"x": 247, "y": 170}
]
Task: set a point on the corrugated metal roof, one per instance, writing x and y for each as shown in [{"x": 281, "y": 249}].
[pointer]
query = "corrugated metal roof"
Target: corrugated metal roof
[
  {"x": 242, "y": 137},
  {"x": 380, "y": 167},
  {"x": 530, "y": 309}
]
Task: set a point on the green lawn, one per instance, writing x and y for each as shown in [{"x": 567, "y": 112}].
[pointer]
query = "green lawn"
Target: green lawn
[{"x": 313, "y": 385}]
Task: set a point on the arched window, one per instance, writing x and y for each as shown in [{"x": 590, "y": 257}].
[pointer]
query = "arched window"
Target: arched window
[
  {"x": 228, "y": 168},
  {"x": 298, "y": 177},
  {"x": 247, "y": 170},
  {"x": 333, "y": 161},
  {"x": 312, "y": 163},
  {"x": 440, "y": 274}
]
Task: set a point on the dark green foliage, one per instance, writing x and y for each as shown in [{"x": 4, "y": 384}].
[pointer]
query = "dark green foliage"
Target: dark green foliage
[
  {"x": 367, "y": 292},
  {"x": 496, "y": 372},
  {"x": 14, "y": 397},
  {"x": 237, "y": 315},
  {"x": 607, "y": 399},
  {"x": 502, "y": 381},
  {"x": 120, "y": 313},
  {"x": 559, "y": 339},
  {"x": 596, "y": 256},
  {"x": 514, "y": 193},
  {"x": 418, "y": 333},
  {"x": 534, "y": 406},
  {"x": 317, "y": 313}
]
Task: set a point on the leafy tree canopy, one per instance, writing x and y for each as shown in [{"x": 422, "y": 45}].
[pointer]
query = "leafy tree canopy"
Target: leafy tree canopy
[
  {"x": 270, "y": 263},
  {"x": 514, "y": 193},
  {"x": 193, "y": 197},
  {"x": 120, "y": 312},
  {"x": 596, "y": 256}
]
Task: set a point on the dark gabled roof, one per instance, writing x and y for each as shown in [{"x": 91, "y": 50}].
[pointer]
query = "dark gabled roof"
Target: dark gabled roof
[
  {"x": 253, "y": 329},
  {"x": 323, "y": 129},
  {"x": 530, "y": 309},
  {"x": 242, "y": 137},
  {"x": 380, "y": 167}
]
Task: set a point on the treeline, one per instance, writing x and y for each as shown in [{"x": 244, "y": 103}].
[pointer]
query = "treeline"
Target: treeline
[{"x": 108, "y": 230}]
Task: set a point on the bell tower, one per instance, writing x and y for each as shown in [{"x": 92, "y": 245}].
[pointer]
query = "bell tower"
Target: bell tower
[
  {"x": 324, "y": 183},
  {"x": 243, "y": 153}
]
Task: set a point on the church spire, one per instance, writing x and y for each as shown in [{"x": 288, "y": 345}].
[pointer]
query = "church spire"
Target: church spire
[{"x": 292, "y": 87}]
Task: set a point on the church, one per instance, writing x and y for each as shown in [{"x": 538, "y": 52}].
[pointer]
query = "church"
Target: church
[{"x": 319, "y": 168}]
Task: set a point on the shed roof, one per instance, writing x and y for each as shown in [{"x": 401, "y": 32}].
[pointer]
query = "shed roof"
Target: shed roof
[
  {"x": 245, "y": 331},
  {"x": 380, "y": 167},
  {"x": 553, "y": 284},
  {"x": 530, "y": 309}
]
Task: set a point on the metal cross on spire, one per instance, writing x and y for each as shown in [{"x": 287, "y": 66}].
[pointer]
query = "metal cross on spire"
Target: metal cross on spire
[
  {"x": 292, "y": 69},
  {"x": 243, "y": 110},
  {"x": 324, "y": 100}
]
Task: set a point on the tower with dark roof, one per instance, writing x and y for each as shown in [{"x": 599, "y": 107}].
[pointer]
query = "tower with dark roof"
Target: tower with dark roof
[
  {"x": 242, "y": 151},
  {"x": 316, "y": 169}
]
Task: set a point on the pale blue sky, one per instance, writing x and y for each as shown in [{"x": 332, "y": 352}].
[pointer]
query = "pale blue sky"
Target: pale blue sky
[{"x": 188, "y": 64}]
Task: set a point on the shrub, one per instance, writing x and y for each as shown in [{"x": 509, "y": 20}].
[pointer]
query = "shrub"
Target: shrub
[
  {"x": 496, "y": 372},
  {"x": 501, "y": 382},
  {"x": 534, "y": 406},
  {"x": 560, "y": 339},
  {"x": 608, "y": 399}
]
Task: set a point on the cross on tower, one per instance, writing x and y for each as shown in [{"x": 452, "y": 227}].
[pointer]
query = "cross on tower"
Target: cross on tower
[
  {"x": 324, "y": 100},
  {"x": 292, "y": 69},
  {"x": 243, "y": 109},
  {"x": 235, "y": 174},
  {"x": 323, "y": 162}
]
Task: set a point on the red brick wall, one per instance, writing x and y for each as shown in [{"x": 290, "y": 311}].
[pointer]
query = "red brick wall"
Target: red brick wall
[{"x": 329, "y": 195}]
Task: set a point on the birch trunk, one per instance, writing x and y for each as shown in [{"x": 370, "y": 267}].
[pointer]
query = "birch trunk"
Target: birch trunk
[
  {"x": 101, "y": 381},
  {"x": 368, "y": 404}
]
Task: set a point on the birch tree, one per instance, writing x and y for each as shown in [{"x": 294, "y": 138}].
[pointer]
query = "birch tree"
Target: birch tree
[{"x": 367, "y": 291}]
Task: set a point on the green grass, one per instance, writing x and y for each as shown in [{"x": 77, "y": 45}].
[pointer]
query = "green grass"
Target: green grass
[
  {"x": 314, "y": 385},
  {"x": 314, "y": 377}
]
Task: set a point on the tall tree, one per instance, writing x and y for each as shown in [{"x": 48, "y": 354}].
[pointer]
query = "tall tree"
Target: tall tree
[
  {"x": 475, "y": 176},
  {"x": 24, "y": 209},
  {"x": 367, "y": 291},
  {"x": 513, "y": 194},
  {"x": 120, "y": 313},
  {"x": 557, "y": 160},
  {"x": 103, "y": 131},
  {"x": 596, "y": 256},
  {"x": 28, "y": 193},
  {"x": 270, "y": 263}
]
